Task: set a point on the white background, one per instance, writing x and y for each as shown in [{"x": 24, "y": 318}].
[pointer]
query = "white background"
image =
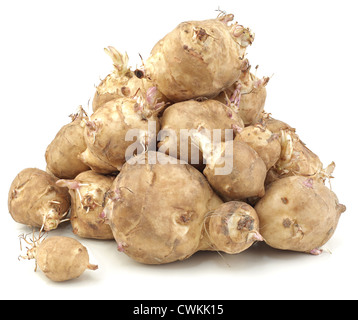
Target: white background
[{"x": 51, "y": 59}]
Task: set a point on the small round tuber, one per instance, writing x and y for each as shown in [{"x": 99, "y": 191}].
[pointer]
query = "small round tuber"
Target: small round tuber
[
  {"x": 62, "y": 154},
  {"x": 59, "y": 258},
  {"x": 232, "y": 228},
  {"x": 88, "y": 193},
  {"x": 35, "y": 199}
]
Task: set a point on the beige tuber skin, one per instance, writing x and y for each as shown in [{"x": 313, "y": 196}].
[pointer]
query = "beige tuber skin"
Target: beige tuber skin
[
  {"x": 264, "y": 142},
  {"x": 247, "y": 177},
  {"x": 59, "y": 258},
  {"x": 194, "y": 115},
  {"x": 231, "y": 228},
  {"x": 122, "y": 82},
  {"x": 155, "y": 229},
  {"x": 106, "y": 130},
  {"x": 198, "y": 58},
  {"x": 156, "y": 211},
  {"x": 160, "y": 209},
  {"x": 112, "y": 87},
  {"x": 35, "y": 200},
  {"x": 62, "y": 154},
  {"x": 247, "y": 95},
  {"x": 295, "y": 157},
  {"x": 298, "y": 214},
  {"x": 88, "y": 193},
  {"x": 274, "y": 125}
]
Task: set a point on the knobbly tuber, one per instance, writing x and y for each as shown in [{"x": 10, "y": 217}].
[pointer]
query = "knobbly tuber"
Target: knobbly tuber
[
  {"x": 264, "y": 142},
  {"x": 156, "y": 230},
  {"x": 62, "y": 155},
  {"x": 106, "y": 130},
  {"x": 198, "y": 58},
  {"x": 247, "y": 94},
  {"x": 245, "y": 171},
  {"x": 295, "y": 158},
  {"x": 122, "y": 82},
  {"x": 298, "y": 214},
  {"x": 59, "y": 258},
  {"x": 192, "y": 115},
  {"x": 35, "y": 200},
  {"x": 274, "y": 125},
  {"x": 152, "y": 228},
  {"x": 88, "y": 193},
  {"x": 112, "y": 87},
  {"x": 179, "y": 156},
  {"x": 232, "y": 228}
]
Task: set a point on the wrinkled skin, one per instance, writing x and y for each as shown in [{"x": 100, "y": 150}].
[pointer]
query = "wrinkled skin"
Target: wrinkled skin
[
  {"x": 205, "y": 115},
  {"x": 198, "y": 58},
  {"x": 122, "y": 82},
  {"x": 88, "y": 193},
  {"x": 35, "y": 200},
  {"x": 156, "y": 211},
  {"x": 298, "y": 214},
  {"x": 274, "y": 125},
  {"x": 62, "y": 258},
  {"x": 231, "y": 228},
  {"x": 105, "y": 134},
  {"x": 112, "y": 88},
  {"x": 295, "y": 157},
  {"x": 137, "y": 85},
  {"x": 248, "y": 93},
  {"x": 253, "y": 97},
  {"x": 264, "y": 142},
  {"x": 246, "y": 177},
  {"x": 62, "y": 154}
]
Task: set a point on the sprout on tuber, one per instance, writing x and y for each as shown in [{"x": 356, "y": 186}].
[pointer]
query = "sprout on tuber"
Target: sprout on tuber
[
  {"x": 35, "y": 200},
  {"x": 88, "y": 193},
  {"x": 198, "y": 58}
]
